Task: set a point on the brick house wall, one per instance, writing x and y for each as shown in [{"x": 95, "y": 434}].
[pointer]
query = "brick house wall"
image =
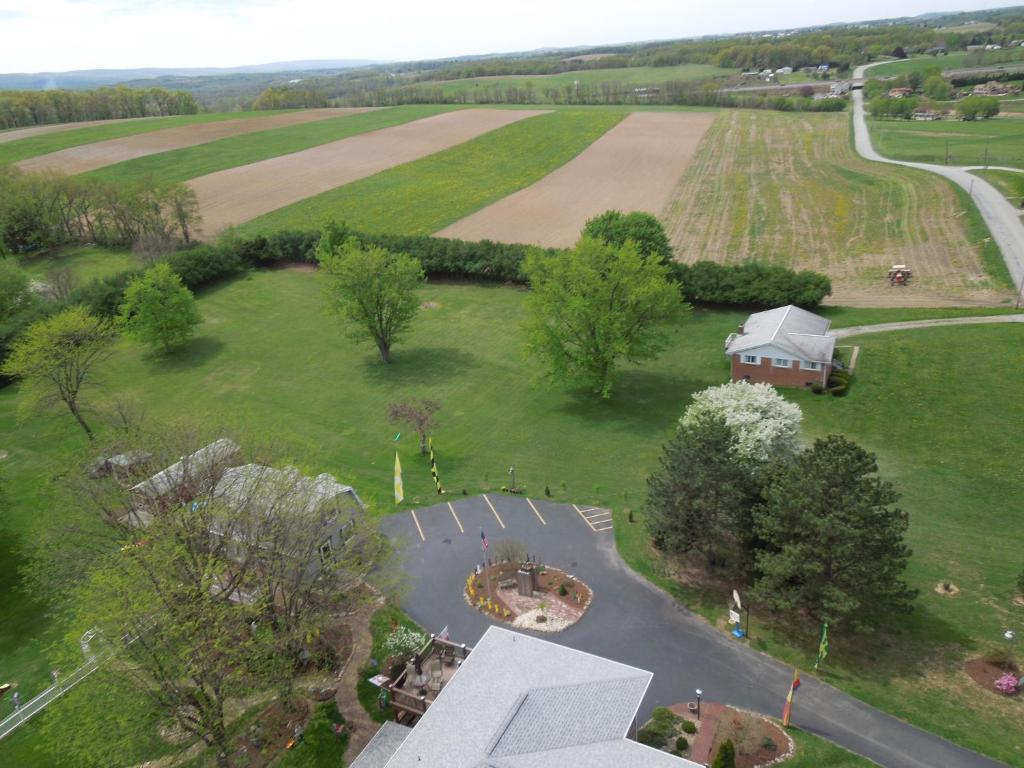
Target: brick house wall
[{"x": 766, "y": 371}]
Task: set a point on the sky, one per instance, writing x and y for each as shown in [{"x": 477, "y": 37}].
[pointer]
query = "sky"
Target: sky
[{"x": 61, "y": 35}]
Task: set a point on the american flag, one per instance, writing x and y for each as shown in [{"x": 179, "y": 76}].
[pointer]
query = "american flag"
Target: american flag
[{"x": 483, "y": 540}]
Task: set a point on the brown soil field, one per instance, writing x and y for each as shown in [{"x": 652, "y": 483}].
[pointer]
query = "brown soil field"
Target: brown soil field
[
  {"x": 633, "y": 167},
  {"x": 789, "y": 189},
  {"x": 235, "y": 195},
  {"x": 35, "y": 130},
  {"x": 89, "y": 157}
]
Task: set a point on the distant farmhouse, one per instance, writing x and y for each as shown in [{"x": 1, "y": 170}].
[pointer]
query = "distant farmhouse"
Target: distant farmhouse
[
  {"x": 899, "y": 93},
  {"x": 519, "y": 702},
  {"x": 786, "y": 346}
]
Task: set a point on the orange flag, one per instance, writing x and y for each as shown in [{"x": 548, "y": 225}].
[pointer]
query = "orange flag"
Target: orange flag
[{"x": 788, "y": 709}]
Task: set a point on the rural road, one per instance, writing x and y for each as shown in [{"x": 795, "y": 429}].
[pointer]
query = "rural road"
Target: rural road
[
  {"x": 634, "y": 622},
  {"x": 857, "y": 330},
  {"x": 1002, "y": 218}
]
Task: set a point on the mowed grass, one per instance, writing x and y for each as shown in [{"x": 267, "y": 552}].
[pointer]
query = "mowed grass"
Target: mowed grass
[
  {"x": 938, "y": 406},
  {"x": 789, "y": 189},
  {"x": 927, "y": 142},
  {"x": 86, "y": 262},
  {"x": 957, "y": 60},
  {"x": 190, "y": 162},
  {"x": 423, "y": 196},
  {"x": 1011, "y": 184},
  {"x": 20, "y": 149},
  {"x": 632, "y": 76}
]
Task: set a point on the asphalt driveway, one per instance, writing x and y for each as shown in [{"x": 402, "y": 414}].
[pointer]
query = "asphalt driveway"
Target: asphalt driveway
[{"x": 633, "y": 622}]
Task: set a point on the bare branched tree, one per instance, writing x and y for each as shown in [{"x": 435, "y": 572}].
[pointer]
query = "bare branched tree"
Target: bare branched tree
[{"x": 418, "y": 415}]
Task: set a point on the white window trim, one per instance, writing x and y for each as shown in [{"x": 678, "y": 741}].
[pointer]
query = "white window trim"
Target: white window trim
[
  {"x": 751, "y": 360},
  {"x": 781, "y": 362},
  {"x": 326, "y": 551},
  {"x": 809, "y": 365}
]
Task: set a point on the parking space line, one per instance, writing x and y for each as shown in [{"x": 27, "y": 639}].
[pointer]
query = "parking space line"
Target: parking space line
[
  {"x": 418, "y": 527},
  {"x": 584, "y": 517},
  {"x": 595, "y": 515},
  {"x": 536, "y": 512},
  {"x": 606, "y": 528},
  {"x": 496, "y": 515},
  {"x": 588, "y": 509},
  {"x": 457, "y": 521}
]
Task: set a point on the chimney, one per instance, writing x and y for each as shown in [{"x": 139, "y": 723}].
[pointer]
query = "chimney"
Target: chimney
[{"x": 739, "y": 329}]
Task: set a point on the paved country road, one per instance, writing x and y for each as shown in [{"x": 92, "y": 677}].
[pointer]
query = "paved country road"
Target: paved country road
[
  {"x": 1002, "y": 218},
  {"x": 634, "y": 622},
  {"x": 857, "y": 330}
]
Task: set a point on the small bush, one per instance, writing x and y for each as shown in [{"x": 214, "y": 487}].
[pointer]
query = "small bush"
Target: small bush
[
  {"x": 769, "y": 744},
  {"x": 681, "y": 743},
  {"x": 689, "y": 726},
  {"x": 651, "y": 737},
  {"x": 816, "y": 388},
  {"x": 1007, "y": 684},
  {"x": 726, "y": 755},
  {"x": 562, "y": 590}
]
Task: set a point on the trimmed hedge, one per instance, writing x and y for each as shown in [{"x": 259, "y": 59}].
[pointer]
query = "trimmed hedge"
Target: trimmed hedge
[{"x": 751, "y": 284}]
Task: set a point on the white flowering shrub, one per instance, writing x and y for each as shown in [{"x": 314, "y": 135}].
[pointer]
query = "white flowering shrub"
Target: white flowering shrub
[
  {"x": 404, "y": 641},
  {"x": 766, "y": 425}
]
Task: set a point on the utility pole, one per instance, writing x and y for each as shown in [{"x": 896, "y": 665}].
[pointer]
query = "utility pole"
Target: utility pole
[
  {"x": 947, "y": 151},
  {"x": 986, "y": 152}
]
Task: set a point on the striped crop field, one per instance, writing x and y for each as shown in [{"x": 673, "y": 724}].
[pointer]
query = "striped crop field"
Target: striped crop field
[
  {"x": 191, "y": 162},
  {"x": 426, "y": 195}
]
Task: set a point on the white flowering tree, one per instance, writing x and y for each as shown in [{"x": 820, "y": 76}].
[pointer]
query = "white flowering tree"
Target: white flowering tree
[{"x": 765, "y": 425}]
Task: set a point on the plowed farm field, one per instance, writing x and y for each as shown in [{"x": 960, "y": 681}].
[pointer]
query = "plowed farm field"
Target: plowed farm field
[
  {"x": 89, "y": 157},
  {"x": 633, "y": 167},
  {"x": 789, "y": 189},
  {"x": 236, "y": 195}
]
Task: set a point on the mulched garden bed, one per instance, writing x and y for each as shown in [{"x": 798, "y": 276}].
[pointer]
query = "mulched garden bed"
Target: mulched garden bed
[
  {"x": 506, "y": 604},
  {"x": 985, "y": 671},
  {"x": 758, "y": 741},
  {"x": 267, "y": 736}
]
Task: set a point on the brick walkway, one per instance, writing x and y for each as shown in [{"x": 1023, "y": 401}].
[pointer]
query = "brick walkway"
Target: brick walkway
[{"x": 710, "y": 712}]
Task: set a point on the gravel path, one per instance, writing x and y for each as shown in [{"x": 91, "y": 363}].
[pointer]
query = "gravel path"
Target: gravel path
[{"x": 857, "y": 330}]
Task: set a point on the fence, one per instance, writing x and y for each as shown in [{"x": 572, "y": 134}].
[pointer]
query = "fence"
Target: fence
[{"x": 34, "y": 706}]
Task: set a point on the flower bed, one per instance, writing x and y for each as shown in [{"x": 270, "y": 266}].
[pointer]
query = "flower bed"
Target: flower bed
[{"x": 559, "y": 600}]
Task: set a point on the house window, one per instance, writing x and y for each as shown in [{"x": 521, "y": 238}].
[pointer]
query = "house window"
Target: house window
[
  {"x": 780, "y": 362},
  {"x": 809, "y": 366},
  {"x": 751, "y": 359},
  {"x": 326, "y": 551}
]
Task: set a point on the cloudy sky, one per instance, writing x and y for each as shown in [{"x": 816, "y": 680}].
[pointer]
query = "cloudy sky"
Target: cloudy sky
[{"x": 58, "y": 35}]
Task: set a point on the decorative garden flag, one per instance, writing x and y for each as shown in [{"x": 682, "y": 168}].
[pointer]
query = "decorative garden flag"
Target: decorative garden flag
[
  {"x": 399, "y": 490},
  {"x": 788, "y": 709},
  {"x": 433, "y": 466},
  {"x": 822, "y": 646}
]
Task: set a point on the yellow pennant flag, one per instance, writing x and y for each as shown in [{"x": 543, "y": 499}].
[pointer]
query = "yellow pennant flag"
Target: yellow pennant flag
[{"x": 399, "y": 491}]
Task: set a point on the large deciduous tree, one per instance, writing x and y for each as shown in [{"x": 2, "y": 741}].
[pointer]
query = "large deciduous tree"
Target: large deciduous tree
[
  {"x": 57, "y": 358},
  {"x": 595, "y": 305},
  {"x": 373, "y": 289},
  {"x": 699, "y": 499},
  {"x": 13, "y": 288},
  {"x": 833, "y": 545},
  {"x": 158, "y": 310},
  {"x": 765, "y": 424},
  {"x": 616, "y": 228}
]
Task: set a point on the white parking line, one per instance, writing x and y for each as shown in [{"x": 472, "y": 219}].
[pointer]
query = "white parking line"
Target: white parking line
[
  {"x": 536, "y": 512},
  {"x": 496, "y": 515},
  {"x": 418, "y": 528},
  {"x": 457, "y": 521}
]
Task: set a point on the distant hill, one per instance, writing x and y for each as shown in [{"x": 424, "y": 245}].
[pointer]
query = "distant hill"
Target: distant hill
[{"x": 94, "y": 78}]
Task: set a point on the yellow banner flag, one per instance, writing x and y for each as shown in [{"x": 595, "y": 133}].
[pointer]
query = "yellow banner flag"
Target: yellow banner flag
[{"x": 399, "y": 491}]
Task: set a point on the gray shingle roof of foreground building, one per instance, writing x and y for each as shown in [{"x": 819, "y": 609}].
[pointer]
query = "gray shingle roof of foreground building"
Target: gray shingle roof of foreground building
[
  {"x": 521, "y": 702},
  {"x": 803, "y": 334},
  {"x": 382, "y": 746}
]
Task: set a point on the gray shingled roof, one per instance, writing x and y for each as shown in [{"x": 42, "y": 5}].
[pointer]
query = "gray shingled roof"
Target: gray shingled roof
[
  {"x": 256, "y": 483},
  {"x": 382, "y": 746},
  {"x": 189, "y": 468},
  {"x": 801, "y": 333},
  {"x": 518, "y": 702}
]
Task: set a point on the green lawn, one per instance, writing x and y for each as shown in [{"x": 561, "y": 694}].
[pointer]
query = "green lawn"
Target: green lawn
[
  {"x": 1009, "y": 183},
  {"x": 958, "y": 60},
  {"x": 814, "y": 752},
  {"x": 426, "y": 195},
  {"x": 13, "y": 151},
  {"x": 190, "y": 162},
  {"x": 632, "y": 76},
  {"x": 938, "y": 406},
  {"x": 87, "y": 262},
  {"x": 927, "y": 142}
]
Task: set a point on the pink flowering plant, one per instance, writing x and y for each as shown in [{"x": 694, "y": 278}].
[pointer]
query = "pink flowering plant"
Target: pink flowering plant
[{"x": 1007, "y": 684}]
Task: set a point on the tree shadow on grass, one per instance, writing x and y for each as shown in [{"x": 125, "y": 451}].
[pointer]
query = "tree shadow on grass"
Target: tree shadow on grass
[
  {"x": 194, "y": 354},
  {"x": 642, "y": 401},
  {"x": 419, "y": 365}
]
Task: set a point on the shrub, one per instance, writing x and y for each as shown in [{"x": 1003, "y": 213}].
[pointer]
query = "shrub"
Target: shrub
[
  {"x": 207, "y": 264},
  {"x": 816, "y": 388},
  {"x": 512, "y": 550},
  {"x": 681, "y": 743},
  {"x": 403, "y": 641},
  {"x": 769, "y": 744},
  {"x": 1007, "y": 684},
  {"x": 562, "y": 590},
  {"x": 726, "y": 755},
  {"x": 689, "y": 726},
  {"x": 651, "y": 737},
  {"x": 751, "y": 284}
]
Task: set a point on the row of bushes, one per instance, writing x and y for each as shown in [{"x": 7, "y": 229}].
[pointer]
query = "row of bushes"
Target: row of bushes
[{"x": 751, "y": 284}]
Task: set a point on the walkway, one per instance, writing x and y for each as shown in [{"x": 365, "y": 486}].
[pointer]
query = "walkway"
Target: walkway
[
  {"x": 857, "y": 330},
  {"x": 1002, "y": 218},
  {"x": 634, "y": 622}
]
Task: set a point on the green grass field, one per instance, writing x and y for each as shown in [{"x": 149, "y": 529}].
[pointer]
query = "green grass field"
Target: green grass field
[
  {"x": 958, "y": 60},
  {"x": 1009, "y": 183},
  {"x": 936, "y": 405},
  {"x": 814, "y": 752},
  {"x": 20, "y": 149},
  {"x": 190, "y": 162},
  {"x": 927, "y": 142},
  {"x": 426, "y": 195},
  {"x": 632, "y": 76},
  {"x": 86, "y": 262}
]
